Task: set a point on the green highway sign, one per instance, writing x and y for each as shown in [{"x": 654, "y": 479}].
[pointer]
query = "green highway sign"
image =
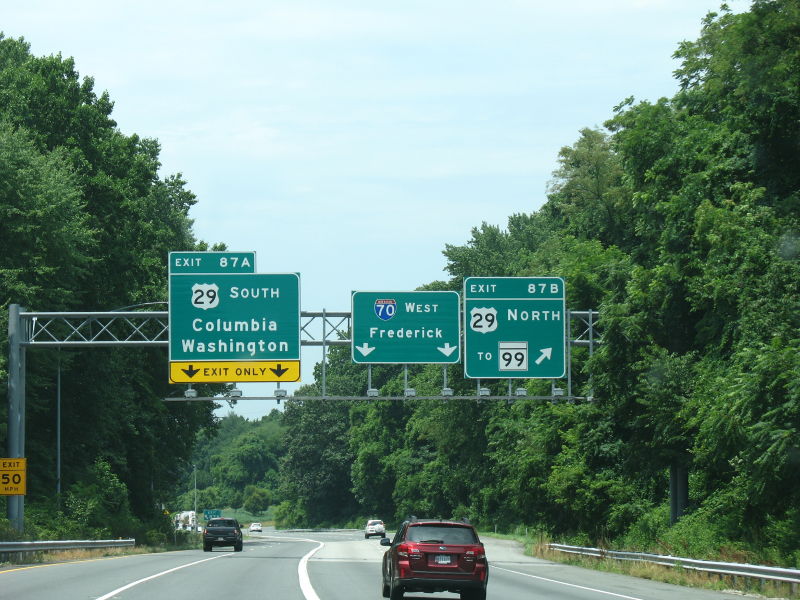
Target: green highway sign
[
  {"x": 211, "y": 514},
  {"x": 234, "y": 317},
  {"x": 514, "y": 327},
  {"x": 405, "y": 327},
  {"x": 212, "y": 262}
]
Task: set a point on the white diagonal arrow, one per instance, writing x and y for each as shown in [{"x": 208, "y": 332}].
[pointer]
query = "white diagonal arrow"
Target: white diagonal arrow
[
  {"x": 545, "y": 353},
  {"x": 365, "y": 349},
  {"x": 447, "y": 349}
]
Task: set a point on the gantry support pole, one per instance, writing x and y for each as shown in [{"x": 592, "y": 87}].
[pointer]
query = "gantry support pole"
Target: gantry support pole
[{"x": 16, "y": 406}]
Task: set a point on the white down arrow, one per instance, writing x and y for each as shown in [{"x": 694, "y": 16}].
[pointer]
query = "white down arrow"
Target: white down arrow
[{"x": 365, "y": 348}]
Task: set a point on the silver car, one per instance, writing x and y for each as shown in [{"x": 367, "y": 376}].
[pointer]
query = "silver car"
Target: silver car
[{"x": 374, "y": 527}]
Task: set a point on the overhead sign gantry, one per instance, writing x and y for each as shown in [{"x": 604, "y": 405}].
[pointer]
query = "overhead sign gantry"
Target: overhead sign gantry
[{"x": 152, "y": 329}]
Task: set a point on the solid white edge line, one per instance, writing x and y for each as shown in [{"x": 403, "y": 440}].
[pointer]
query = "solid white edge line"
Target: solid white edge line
[
  {"x": 302, "y": 567},
  {"x": 137, "y": 582},
  {"x": 302, "y": 573},
  {"x": 580, "y": 587}
]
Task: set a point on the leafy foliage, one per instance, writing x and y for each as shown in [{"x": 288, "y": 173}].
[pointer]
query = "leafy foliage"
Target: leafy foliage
[
  {"x": 680, "y": 223},
  {"x": 86, "y": 223},
  {"x": 237, "y": 466}
]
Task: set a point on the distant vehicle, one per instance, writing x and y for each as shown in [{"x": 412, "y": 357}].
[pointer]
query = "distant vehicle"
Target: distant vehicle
[
  {"x": 255, "y": 527},
  {"x": 435, "y": 556},
  {"x": 374, "y": 527},
  {"x": 222, "y": 531}
]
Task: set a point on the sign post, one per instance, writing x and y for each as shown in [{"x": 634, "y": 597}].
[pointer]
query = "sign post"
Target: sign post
[
  {"x": 514, "y": 327},
  {"x": 405, "y": 327}
]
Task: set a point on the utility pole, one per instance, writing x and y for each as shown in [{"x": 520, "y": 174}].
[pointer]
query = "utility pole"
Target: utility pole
[
  {"x": 678, "y": 491},
  {"x": 194, "y": 469}
]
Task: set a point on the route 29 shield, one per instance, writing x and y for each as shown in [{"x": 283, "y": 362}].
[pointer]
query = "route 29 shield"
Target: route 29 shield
[
  {"x": 205, "y": 295},
  {"x": 483, "y": 319},
  {"x": 385, "y": 308}
]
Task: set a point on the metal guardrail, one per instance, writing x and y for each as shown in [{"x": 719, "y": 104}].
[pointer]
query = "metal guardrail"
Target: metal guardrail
[
  {"x": 779, "y": 574},
  {"x": 44, "y": 546}
]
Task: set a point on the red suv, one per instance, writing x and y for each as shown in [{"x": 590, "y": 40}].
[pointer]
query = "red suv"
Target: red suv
[{"x": 435, "y": 556}]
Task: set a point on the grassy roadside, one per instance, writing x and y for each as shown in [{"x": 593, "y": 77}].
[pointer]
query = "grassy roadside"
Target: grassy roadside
[
  {"x": 61, "y": 556},
  {"x": 56, "y": 556},
  {"x": 538, "y": 547}
]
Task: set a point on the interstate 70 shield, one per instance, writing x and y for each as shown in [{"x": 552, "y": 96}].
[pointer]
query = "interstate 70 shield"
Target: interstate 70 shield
[{"x": 385, "y": 308}]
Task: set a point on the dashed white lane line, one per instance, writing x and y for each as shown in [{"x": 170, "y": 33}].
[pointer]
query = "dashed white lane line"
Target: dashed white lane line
[{"x": 137, "y": 582}]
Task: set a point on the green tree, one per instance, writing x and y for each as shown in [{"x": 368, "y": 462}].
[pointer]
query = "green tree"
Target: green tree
[
  {"x": 45, "y": 238},
  {"x": 87, "y": 224},
  {"x": 744, "y": 70},
  {"x": 315, "y": 471},
  {"x": 256, "y": 499},
  {"x": 587, "y": 196}
]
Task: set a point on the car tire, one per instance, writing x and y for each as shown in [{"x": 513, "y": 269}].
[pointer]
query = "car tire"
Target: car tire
[
  {"x": 385, "y": 590},
  {"x": 473, "y": 594},
  {"x": 206, "y": 547},
  {"x": 237, "y": 548},
  {"x": 396, "y": 593},
  {"x": 366, "y": 536}
]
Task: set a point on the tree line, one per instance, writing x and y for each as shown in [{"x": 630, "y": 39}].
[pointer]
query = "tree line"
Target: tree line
[
  {"x": 86, "y": 223},
  {"x": 678, "y": 221}
]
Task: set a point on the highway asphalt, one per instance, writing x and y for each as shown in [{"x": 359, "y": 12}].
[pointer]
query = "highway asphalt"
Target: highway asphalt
[{"x": 305, "y": 565}]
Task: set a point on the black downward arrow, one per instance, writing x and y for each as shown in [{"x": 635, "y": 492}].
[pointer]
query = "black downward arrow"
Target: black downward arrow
[
  {"x": 279, "y": 372},
  {"x": 191, "y": 371}
]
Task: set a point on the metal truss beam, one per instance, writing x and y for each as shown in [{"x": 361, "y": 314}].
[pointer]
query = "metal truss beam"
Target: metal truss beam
[
  {"x": 374, "y": 398},
  {"x": 151, "y": 328}
]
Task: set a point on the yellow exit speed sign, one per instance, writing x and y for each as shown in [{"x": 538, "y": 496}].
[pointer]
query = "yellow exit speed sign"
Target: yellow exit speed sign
[{"x": 12, "y": 476}]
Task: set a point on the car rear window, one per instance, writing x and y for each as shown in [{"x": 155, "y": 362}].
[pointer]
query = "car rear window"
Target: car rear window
[
  {"x": 222, "y": 523},
  {"x": 441, "y": 534},
  {"x": 375, "y": 523}
]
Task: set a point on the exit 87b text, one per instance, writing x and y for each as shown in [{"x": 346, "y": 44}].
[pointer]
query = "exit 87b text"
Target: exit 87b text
[{"x": 533, "y": 288}]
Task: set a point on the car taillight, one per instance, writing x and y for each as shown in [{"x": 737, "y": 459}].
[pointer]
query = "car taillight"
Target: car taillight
[
  {"x": 408, "y": 551},
  {"x": 476, "y": 552},
  {"x": 205, "y": 531}
]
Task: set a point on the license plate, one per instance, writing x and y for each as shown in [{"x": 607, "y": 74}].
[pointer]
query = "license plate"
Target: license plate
[
  {"x": 220, "y": 539},
  {"x": 442, "y": 559}
]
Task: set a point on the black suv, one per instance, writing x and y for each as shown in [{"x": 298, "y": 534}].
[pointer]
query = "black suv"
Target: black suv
[
  {"x": 435, "y": 556},
  {"x": 222, "y": 531}
]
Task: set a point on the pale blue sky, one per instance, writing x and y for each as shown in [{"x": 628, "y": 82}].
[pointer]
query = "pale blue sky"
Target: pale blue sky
[{"x": 350, "y": 141}]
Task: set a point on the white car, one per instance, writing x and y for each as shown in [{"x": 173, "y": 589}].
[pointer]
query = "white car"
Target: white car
[
  {"x": 255, "y": 527},
  {"x": 374, "y": 527}
]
